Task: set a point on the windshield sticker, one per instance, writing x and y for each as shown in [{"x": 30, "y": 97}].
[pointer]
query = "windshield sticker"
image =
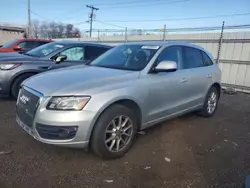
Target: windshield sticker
[
  {"x": 150, "y": 47},
  {"x": 59, "y": 46}
]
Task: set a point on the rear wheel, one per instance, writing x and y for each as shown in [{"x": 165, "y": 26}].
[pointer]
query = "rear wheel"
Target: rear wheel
[
  {"x": 114, "y": 132},
  {"x": 210, "y": 104},
  {"x": 17, "y": 82}
]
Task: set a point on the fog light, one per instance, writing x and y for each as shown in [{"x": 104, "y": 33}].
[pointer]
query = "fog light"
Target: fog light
[
  {"x": 56, "y": 132},
  {"x": 67, "y": 132}
]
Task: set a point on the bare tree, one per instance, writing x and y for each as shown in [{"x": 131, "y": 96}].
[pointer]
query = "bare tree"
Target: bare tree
[
  {"x": 76, "y": 33},
  {"x": 44, "y": 30},
  {"x": 54, "y": 30},
  {"x": 61, "y": 29},
  {"x": 69, "y": 29},
  {"x": 36, "y": 28}
]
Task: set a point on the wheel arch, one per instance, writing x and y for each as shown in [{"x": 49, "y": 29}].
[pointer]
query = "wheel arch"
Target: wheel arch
[
  {"x": 217, "y": 86},
  {"x": 128, "y": 102},
  {"x": 16, "y": 76}
]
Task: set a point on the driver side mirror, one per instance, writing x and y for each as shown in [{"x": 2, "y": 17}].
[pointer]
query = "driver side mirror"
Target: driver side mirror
[
  {"x": 18, "y": 48},
  {"x": 166, "y": 66},
  {"x": 60, "y": 58}
]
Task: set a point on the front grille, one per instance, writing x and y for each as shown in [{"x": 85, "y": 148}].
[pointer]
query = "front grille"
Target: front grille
[{"x": 26, "y": 106}]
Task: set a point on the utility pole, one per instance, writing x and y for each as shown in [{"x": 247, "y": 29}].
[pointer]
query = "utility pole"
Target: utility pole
[
  {"x": 29, "y": 22},
  {"x": 91, "y": 17},
  {"x": 220, "y": 42}
]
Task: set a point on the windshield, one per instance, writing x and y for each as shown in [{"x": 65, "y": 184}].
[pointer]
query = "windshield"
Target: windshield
[
  {"x": 45, "y": 49},
  {"x": 127, "y": 57},
  {"x": 9, "y": 44}
]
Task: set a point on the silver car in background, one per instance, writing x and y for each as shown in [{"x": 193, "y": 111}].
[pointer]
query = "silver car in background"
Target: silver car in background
[{"x": 129, "y": 88}]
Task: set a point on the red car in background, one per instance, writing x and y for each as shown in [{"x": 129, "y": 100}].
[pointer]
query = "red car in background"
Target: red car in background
[{"x": 22, "y": 45}]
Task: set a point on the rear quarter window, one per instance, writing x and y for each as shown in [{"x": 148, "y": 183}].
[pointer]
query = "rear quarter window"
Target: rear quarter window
[{"x": 206, "y": 59}]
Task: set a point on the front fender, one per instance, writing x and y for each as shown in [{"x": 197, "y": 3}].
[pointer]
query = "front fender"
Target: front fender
[{"x": 102, "y": 101}]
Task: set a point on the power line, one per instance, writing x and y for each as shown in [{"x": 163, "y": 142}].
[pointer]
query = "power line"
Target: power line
[
  {"x": 91, "y": 17},
  {"x": 105, "y": 23},
  {"x": 69, "y": 13},
  {"x": 189, "y": 18},
  {"x": 34, "y": 13},
  {"x": 214, "y": 28},
  {"x": 153, "y": 3},
  {"x": 128, "y": 2}
]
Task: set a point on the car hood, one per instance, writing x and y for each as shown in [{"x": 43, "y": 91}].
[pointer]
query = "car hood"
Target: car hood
[
  {"x": 13, "y": 57},
  {"x": 78, "y": 80}
]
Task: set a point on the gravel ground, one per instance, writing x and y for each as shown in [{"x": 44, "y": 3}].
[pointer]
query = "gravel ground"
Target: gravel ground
[{"x": 186, "y": 152}]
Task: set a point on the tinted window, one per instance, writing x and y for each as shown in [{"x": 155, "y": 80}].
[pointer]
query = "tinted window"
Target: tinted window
[
  {"x": 207, "y": 61},
  {"x": 9, "y": 44},
  {"x": 46, "y": 49},
  {"x": 74, "y": 53},
  {"x": 171, "y": 54},
  {"x": 192, "y": 58},
  {"x": 128, "y": 57},
  {"x": 41, "y": 43},
  {"x": 36, "y": 44},
  {"x": 26, "y": 45},
  {"x": 92, "y": 52}
]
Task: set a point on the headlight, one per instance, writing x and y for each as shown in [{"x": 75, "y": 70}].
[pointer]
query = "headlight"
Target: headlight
[
  {"x": 9, "y": 66},
  {"x": 67, "y": 103}
]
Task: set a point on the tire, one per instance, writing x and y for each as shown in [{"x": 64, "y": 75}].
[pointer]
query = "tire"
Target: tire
[
  {"x": 204, "y": 112},
  {"x": 17, "y": 82},
  {"x": 100, "y": 136}
]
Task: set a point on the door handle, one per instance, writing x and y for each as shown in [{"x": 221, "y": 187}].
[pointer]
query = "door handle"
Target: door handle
[
  {"x": 209, "y": 76},
  {"x": 184, "y": 80}
]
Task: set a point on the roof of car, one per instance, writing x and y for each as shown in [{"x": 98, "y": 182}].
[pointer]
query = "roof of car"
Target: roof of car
[
  {"x": 166, "y": 43},
  {"x": 84, "y": 43},
  {"x": 36, "y": 40}
]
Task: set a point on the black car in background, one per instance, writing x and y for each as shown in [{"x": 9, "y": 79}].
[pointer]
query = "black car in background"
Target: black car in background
[{"x": 15, "y": 67}]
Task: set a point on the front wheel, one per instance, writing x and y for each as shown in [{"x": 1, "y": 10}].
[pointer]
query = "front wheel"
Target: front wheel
[
  {"x": 114, "y": 132},
  {"x": 210, "y": 104}
]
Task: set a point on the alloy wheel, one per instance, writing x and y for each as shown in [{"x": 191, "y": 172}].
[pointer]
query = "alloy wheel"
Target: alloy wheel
[{"x": 118, "y": 133}]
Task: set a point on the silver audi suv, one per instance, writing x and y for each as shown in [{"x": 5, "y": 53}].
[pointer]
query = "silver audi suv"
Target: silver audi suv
[{"x": 129, "y": 88}]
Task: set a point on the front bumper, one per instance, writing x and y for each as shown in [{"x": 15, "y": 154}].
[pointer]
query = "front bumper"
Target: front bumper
[
  {"x": 83, "y": 120},
  {"x": 66, "y": 143}
]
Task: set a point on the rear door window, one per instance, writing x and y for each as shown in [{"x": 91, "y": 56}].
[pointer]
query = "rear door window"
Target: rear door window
[
  {"x": 192, "y": 58},
  {"x": 92, "y": 52},
  {"x": 36, "y": 44},
  {"x": 27, "y": 45}
]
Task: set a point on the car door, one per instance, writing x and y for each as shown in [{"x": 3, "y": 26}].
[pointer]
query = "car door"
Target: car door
[
  {"x": 167, "y": 89},
  {"x": 80, "y": 55},
  {"x": 199, "y": 76},
  {"x": 75, "y": 56}
]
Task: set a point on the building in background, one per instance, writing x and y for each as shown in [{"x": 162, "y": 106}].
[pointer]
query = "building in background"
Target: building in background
[{"x": 8, "y": 33}]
